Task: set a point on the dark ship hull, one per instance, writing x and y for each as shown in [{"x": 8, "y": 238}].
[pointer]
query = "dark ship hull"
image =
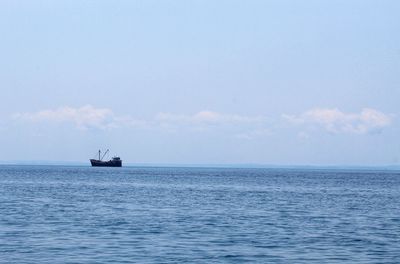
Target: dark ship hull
[{"x": 110, "y": 163}]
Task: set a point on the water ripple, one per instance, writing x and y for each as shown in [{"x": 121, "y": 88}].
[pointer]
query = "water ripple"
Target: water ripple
[{"x": 51, "y": 214}]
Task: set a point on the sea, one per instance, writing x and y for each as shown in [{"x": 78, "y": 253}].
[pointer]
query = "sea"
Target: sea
[{"x": 81, "y": 214}]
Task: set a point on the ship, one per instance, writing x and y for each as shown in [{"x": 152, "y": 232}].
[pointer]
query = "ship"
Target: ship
[{"x": 114, "y": 162}]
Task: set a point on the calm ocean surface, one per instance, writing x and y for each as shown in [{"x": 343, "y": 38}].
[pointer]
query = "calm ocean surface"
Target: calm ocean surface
[{"x": 55, "y": 214}]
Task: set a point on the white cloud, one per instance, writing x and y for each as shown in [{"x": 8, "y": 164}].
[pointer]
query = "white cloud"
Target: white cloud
[
  {"x": 103, "y": 118},
  {"x": 336, "y": 121},
  {"x": 208, "y": 117},
  {"x": 83, "y": 117},
  {"x": 332, "y": 119}
]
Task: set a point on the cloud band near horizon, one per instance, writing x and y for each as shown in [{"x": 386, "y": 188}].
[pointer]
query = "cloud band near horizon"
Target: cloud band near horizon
[{"x": 332, "y": 120}]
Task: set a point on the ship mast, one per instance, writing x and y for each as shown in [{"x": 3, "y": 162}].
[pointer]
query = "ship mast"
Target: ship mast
[{"x": 104, "y": 154}]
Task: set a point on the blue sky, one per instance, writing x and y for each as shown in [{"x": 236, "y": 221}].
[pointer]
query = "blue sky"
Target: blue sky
[{"x": 271, "y": 82}]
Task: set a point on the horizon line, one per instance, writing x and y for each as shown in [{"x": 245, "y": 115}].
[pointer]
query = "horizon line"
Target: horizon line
[{"x": 202, "y": 165}]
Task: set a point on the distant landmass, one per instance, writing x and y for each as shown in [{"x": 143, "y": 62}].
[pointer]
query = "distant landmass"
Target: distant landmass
[{"x": 205, "y": 165}]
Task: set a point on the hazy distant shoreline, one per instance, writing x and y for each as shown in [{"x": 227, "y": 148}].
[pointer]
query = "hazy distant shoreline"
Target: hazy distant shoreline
[{"x": 208, "y": 165}]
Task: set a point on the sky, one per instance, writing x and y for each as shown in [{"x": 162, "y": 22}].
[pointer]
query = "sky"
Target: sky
[{"x": 201, "y": 82}]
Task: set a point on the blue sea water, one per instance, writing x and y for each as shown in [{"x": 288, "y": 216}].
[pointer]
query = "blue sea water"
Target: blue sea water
[{"x": 56, "y": 214}]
